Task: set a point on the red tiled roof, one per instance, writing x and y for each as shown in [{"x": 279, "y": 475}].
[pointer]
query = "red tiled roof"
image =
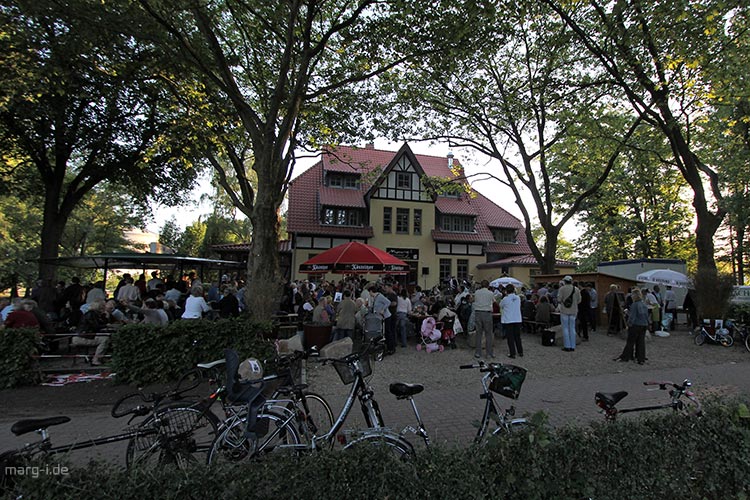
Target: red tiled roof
[
  {"x": 284, "y": 246},
  {"x": 335, "y": 197},
  {"x": 455, "y": 206},
  {"x": 493, "y": 215},
  {"x": 446, "y": 236},
  {"x": 305, "y": 203},
  {"x": 348, "y": 159},
  {"x": 522, "y": 260},
  {"x": 512, "y": 248}
]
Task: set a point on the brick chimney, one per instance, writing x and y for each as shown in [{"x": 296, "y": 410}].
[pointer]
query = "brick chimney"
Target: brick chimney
[{"x": 370, "y": 145}]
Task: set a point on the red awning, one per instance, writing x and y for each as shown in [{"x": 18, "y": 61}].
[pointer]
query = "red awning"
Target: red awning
[{"x": 354, "y": 258}]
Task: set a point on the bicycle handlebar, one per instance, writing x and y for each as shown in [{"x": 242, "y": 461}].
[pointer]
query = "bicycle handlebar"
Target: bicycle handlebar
[
  {"x": 483, "y": 367},
  {"x": 138, "y": 410},
  {"x": 664, "y": 384}
]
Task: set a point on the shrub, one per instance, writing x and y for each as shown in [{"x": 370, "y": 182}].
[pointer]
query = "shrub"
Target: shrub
[
  {"x": 668, "y": 456},
  {"x": 713, "y": 292},
  {"x": 17, "y": 364},
  {"x": 145, "y": 354}
]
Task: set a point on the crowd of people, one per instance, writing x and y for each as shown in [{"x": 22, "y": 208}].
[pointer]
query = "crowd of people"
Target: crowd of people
[
  {"x": 91, "y": 314},
  {"x": 466, "y": 306}
]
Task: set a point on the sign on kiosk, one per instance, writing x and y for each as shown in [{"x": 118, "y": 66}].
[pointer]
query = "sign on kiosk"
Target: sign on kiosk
[{"x": 741, "y": 295}]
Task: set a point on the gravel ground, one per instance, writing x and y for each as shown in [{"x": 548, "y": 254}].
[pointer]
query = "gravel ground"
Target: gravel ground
[
  {"x": 560, "y": 383},
  {"x": 590, "y": 358}
]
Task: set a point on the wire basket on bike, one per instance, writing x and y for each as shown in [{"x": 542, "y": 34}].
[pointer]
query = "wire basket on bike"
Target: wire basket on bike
[
  {"x": 507, "y": 380},
  {"x": 346, "y": 368}
]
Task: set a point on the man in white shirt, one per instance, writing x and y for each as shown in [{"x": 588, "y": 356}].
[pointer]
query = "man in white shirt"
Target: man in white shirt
[{"x": 483, "y": 300}]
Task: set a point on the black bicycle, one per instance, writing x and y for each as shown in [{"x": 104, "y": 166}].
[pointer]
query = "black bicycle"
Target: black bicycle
[
  {"x": 608, "y": 401},
  {"x": 164, "y": 423},
  {"x": 505, "y": 380}
]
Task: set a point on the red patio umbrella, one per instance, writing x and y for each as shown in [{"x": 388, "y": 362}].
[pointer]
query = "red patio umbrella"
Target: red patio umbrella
[{"x": 354, "y": 258}]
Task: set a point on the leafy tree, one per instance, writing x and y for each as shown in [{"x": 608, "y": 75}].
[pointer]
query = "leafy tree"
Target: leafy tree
[
  {"x": 666, "y": 58},
  {"x": 640, "y": 210},
  {"x": 79, "y": 103},
  {"x": 526, "y": 98},
  {"x": 278, "y": 76}
]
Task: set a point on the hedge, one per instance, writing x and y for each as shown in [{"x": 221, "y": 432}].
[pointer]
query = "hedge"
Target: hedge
[
  {"x": 668, "y": 456},
  {"x": 145, "y": 354},
  {"x": 17, "y": 364}
]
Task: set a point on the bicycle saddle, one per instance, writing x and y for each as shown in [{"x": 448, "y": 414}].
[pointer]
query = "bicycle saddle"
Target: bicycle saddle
[
  {"x": 33, "y": 424},
  {"x": 402, "y": 390},
  {"x": 610, "y": 399}
]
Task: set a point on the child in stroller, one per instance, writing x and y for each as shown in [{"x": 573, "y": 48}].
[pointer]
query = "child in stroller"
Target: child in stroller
[
  {"x": 447, "y": 318},
  {"x": 430, "y": 336}
]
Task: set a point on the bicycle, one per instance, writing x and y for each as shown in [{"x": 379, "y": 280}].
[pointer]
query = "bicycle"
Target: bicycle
[
  {"x": 159, "y": 421},
  {"x": 505, "y": 380},
  {"x": 608, "y": 401},
  {"x": 719, "y": 336},
  {"x": 739, "y": 330},
  {"x": 279, "y": 432},
  {"x": 174, "y": 433}
]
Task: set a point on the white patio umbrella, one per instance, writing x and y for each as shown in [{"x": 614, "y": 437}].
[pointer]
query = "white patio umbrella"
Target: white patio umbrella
[
  {"x": 505, "y": 280},
  {"x": 665, "y": 277}
]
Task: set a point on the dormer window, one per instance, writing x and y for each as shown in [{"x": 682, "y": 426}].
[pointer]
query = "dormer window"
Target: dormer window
[
  {"x": 334, "y": 216},
  {"x": 342, "y": 181},
  {"x": 457, "y": 223},
  {"x": 505, "y": 235}
]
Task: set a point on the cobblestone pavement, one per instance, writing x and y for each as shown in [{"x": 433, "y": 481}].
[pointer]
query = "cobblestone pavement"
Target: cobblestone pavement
[{"x": 559, "y": 383}]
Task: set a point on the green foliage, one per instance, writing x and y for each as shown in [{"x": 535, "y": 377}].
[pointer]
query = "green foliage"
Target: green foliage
[
  {"x": 640, "y": 210},
  {"x": 145, "y": 354},
  {"x": 712, "y": 293},
  {"x": 17, "y": 367},
  {"x": 664, "y": 457}
]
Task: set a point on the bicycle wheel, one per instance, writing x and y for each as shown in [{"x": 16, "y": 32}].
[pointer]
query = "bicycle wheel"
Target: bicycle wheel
[
  {"x": 700, "y": 338},
  {"x": 726, "y": 340},
  {"x": 232, "y": 445},
  {"x": 747, "y": 343},
  {"x": 319, "y": 418},
  {"x": 398, "y": 445},
  {"x": 175, "y": 435}
]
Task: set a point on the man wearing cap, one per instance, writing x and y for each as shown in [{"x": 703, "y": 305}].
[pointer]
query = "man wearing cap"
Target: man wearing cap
[{"x": 568, "y": 298}]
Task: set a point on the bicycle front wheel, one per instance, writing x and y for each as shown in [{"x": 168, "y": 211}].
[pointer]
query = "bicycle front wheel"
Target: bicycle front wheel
[
  {"x": 726, "y": 340},
  {"x": 233, "y": 445},
  {"x": 319, "y": 417},
  {"x": 175, "y": 435},
  {"x": 747, "y": 343},
  {"x": 700, "y": 338}
]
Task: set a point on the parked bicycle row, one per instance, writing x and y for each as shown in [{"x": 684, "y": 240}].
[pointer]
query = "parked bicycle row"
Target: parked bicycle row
[{"x": 247, "y": 414}]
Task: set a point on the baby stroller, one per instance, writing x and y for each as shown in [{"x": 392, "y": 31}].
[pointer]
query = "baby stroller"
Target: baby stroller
[{"x": 430, "y": 336}]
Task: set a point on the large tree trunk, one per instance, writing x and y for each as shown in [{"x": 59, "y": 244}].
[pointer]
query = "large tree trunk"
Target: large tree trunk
[
  {"x": 53, "y": 225},
  {"x": 265, "y": 281}
]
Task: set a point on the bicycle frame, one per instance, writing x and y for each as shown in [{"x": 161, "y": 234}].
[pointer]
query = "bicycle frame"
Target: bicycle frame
[
  {"x": 490, "y": 412},
  {"x": 607, "y": 402},
  {"x": 505, "y": 422},
  {"x": 44, "y": 445}
]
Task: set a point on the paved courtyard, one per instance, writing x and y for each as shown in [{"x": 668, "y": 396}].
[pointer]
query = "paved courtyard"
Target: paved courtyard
[{"x": 559, "y": 383}]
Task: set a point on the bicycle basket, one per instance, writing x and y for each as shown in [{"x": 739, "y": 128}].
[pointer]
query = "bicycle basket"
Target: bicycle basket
[
  {"x": 507, "y": 380},
  {"x": 172, "y": 423},
  {"x": 346, "y": 369}
]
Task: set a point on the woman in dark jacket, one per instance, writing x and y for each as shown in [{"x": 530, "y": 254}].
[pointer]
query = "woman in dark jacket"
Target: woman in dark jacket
[{"x": 638, "y": 321}]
